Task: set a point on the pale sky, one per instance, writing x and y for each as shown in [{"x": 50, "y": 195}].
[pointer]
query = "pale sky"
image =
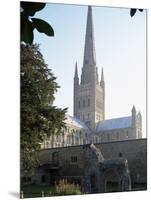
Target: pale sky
[{"x": 120, "y": 43}]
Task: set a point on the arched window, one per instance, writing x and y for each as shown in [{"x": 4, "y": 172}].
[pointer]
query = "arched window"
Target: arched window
[
  {"x": 120, "y": 154},
  {"x": 55, "y": 158},
  {"x": 88, "y": 102},
  {"x": 83, "y": 103},
  {"x": 117, "y": 135},
  {"x": 83, "y": 117},
  {"x": 79, "y": 104},
  {"x": 126, "y": 134}
]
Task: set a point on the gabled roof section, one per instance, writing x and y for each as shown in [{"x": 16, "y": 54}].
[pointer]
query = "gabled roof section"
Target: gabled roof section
[
  {"x": 75, "y": 122},
  {"x": 117, "y": 123}
]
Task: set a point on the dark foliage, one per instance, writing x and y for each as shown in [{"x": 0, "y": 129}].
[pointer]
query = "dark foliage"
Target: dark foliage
[
  {"x": 39, "y": 118},
  {"x": 133, "y": 11},
  {"x": 28, "y": 23}
]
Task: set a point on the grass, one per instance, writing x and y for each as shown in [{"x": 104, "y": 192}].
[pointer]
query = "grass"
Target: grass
[
  {"x": 31, "y": 191},
  {"x": 36, "y": 191},
  {"x": 62, "y": 188}
]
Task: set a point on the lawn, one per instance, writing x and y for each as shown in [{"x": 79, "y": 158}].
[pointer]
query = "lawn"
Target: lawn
[{"x": 36, "y": 191}]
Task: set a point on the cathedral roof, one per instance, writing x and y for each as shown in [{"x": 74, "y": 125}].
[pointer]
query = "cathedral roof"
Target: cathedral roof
[
  {"x": 75, "y": 122},
  {"x": 117, "y": 123}
]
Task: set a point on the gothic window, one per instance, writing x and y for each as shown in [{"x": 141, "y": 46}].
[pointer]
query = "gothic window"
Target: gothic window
[
  {"x": 70, "y": 139},
  {"x": 79, "y": 104},
  {"x": 88, "y": 115},
  {"x": 100, "y": 139},
  {"x": 88, "y": 123},
  {"x": 120, "y": 154},
  {"x": 74, "y": 159},
  {"x": 83, "y": 103},
  {"x": 86, "y": 61},
  {"x": 23, "y": 179},
  {"x": 55, "y": 158},
  {"x": 77, "y": 140},
  {"x": 88, "y": 102},
  {"x": 117, "y": 135},
  {"x": 126, "y": 134},
  {"x": 83, "y": 117},
  {"x": 43, "y": 179},
  {"x": 47, "y": 144}
]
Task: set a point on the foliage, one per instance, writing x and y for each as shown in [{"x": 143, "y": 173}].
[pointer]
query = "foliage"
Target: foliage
[
  {"x": 65, "y": 188},
  {"x": 39, "y": 118},
  {"x": 133, "y": 11},
  {"x": 28, "y": 24}
]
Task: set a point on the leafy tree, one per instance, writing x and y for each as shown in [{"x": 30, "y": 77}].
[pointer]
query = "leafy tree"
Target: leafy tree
[
  {"x": 133, "y": 11},
  {"x": 39, "y": 118},
  {"x": 29, "y": 23}
]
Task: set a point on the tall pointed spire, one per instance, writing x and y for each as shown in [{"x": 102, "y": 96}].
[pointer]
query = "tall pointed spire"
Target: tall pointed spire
[
  {"x": 102, "y": 75},
  {"x": 76, "y": 78},
  {"x": 89, "y": 50},
  {"x": 89, "y": 70},
  {"x": 89, "y": 94},
  {"x": 76, "y": 70},
  {"x": 102, "y": 82}
]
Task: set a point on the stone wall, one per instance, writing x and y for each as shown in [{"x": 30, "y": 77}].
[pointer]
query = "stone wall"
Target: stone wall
[{"x": 72, "y": 161}]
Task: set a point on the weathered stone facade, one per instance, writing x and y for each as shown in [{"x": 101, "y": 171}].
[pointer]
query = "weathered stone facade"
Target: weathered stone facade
[
  {"x": 79, "y": 164},
  {"x": 77, "y": 133},
  {"x": 89, "y": 124},
  {"x": 89, "y": 94}
]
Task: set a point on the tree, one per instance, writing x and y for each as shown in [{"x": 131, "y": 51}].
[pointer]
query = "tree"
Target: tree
[
  {"x": 29, "y": 23},
  {"x": 133, "y": 11},
  {"x": 39, "y": 118}
]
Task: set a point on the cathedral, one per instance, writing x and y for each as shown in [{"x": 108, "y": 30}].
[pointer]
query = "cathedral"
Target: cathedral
[
  {"x": 89, "y": 125},
  {"x": 99, "y": 154}
]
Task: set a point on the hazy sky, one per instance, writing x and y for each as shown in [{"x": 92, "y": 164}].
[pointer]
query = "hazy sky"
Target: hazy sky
[{"x": 120, "y": 43}]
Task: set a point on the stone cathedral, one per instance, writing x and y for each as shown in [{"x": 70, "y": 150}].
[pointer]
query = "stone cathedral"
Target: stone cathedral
[
  {"x": 99, "y": 154},
  {"x": 88, "y": 125}
]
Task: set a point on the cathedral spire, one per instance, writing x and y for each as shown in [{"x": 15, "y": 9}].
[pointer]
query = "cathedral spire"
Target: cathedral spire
[
  {"x": 76, "y": 70},
  {"x": 102, "y": 82},
  {"x": 76, "y": 78},
  {"x": 89, "y": 50},
  {"x": 102, "y": 75}
]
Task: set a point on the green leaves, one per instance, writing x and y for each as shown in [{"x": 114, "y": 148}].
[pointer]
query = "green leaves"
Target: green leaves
[
  {"x": 30, "y": 8},
  {"x": 133, "y": 11},
  {"x": 43, "y": 27},
  {"x": 28, "y": 24},
  {"x": 39, "y": 118}
]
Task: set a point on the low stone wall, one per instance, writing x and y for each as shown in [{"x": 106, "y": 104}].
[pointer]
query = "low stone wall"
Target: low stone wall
[{"x": 72, "y": 161}]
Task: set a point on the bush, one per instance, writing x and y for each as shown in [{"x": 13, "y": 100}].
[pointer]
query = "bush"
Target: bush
[{"x": 65, "y": 188}]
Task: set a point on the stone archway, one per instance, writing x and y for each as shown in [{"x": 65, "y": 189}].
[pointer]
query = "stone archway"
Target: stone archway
[
  {"x": 101, "y": 171},
  {"x": 112, "y": 180},
  {"x": 93, "y": 181},
  {"x": 115, "y": 171},
  {"x": 94, "y": 178}
]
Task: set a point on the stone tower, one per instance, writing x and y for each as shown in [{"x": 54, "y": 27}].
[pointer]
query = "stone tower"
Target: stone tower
[{"x": 89, "y": 93}]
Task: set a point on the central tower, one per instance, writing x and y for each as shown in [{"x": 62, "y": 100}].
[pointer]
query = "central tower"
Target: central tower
[{"x": 89, "y": 94}]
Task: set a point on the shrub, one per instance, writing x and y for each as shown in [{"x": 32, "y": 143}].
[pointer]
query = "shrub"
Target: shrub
[{"x": 66, "y": 188}]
